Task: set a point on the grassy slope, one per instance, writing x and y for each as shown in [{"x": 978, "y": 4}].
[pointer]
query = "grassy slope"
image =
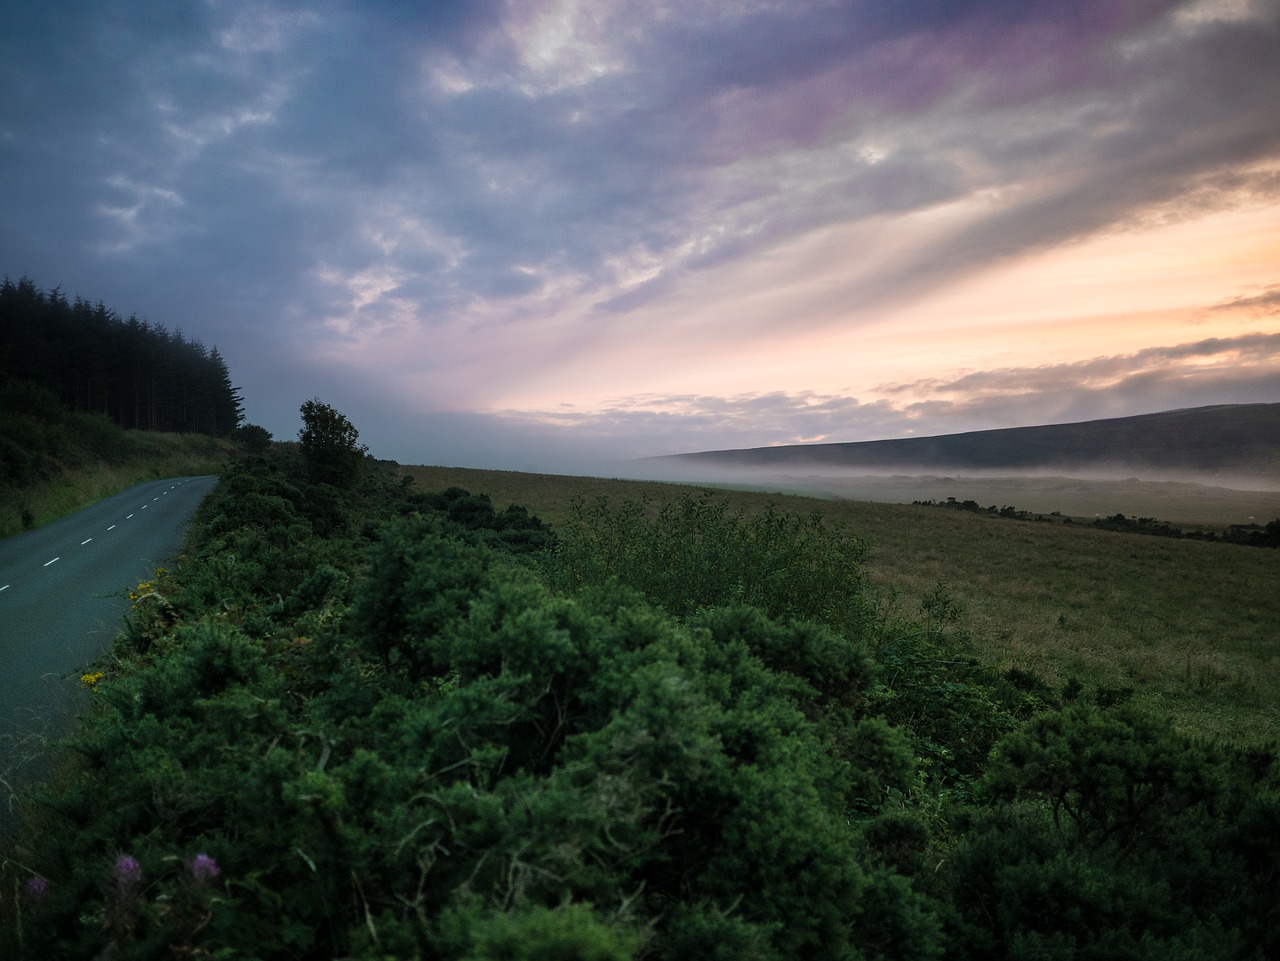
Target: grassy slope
[
  {"x": 1231, "y": 439},
  {"x": 149, "y": 455},
  {"x": 1191, "y": 626}
]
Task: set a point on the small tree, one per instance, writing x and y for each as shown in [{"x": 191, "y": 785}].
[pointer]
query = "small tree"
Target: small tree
[
  {"x": 253, "y": 438},
  {"x": 330, "y": 445}
]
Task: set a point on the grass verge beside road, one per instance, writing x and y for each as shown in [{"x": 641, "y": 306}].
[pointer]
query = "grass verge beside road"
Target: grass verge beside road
[{"x": 147, "y": 455}]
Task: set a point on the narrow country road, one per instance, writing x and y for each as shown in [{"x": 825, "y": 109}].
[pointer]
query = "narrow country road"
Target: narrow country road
[{"x": 63, "y": 592}]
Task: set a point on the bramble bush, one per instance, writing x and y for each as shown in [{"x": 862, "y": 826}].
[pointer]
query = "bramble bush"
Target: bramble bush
[{"x": 931, "y": 684}]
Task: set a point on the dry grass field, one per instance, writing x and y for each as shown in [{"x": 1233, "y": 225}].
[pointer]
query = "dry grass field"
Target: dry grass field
[{"x": 1193, "y": 627}]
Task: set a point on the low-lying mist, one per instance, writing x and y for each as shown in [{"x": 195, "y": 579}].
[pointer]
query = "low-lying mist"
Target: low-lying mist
[{"x": 1186, "y": 498}]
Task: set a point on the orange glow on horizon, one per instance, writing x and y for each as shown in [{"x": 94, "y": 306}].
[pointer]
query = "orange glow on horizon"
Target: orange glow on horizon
[{"x": 1114, "y": 294}]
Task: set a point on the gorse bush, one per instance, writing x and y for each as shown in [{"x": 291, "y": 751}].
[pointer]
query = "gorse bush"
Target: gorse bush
[
  {"x": 1146, "y": 844},
  {"x": 379, "y": 723},
  {"x": 479, "y": 753}
]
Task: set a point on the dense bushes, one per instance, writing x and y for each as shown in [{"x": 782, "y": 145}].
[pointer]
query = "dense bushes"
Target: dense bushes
[
  {"x": 1143, "y": 844},
  {"x": 38, "y": 437},
  {"x": 383, "y": 723}
]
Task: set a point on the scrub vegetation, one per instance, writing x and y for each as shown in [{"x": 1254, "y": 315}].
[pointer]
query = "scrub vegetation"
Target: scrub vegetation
[
  {"x": 1187, "y": 628},
  {"x": 381, "y": 719}
]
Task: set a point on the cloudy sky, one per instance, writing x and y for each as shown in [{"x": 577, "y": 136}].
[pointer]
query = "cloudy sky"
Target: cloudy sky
[{"x": 536, "y": 234}]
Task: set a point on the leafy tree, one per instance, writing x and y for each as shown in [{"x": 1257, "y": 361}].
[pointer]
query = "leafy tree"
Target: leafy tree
[
  {"x": 255, "y": 439},
  {"x": 330, "y": 445}
]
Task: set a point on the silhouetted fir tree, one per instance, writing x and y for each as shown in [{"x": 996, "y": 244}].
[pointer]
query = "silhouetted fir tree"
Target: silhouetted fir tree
[
  {"x": 228, "y": 409},
  {"x": 140, "y": 375}
]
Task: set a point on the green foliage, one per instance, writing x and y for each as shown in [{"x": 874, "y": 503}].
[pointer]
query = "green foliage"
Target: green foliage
[
  {"x": 696, "y": 551},
  {"x": 38, "y": 438},
  {"x": 472, "y": 517},
  {"x": 568, "y": 933},
  {"x": 378, "y": 714},
  {"x": 421, "y": 582},
  {"x": 933, "y": 686},
  {"x": 1146, "y": 844},
  {"x": 330, "y": 445},
  {"x": 253, "y": 438},
  {"x": 450, "y": 760}
]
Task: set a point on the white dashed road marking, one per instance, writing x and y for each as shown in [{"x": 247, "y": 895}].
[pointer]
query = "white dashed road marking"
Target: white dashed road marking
[{"x": 88, "y": 540}]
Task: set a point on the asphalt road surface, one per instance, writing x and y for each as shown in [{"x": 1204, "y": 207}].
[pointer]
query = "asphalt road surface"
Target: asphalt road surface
[{"x": 63, "y": 592}]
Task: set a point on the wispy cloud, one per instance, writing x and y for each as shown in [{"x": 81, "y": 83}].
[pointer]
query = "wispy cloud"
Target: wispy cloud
[
  {"x": 1266, "y": 302},
  {"x": 484, "y": 206},
  {"x": 1215, "y": 370}
]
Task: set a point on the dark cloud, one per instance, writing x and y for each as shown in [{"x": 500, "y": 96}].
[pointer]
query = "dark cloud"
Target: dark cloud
[
  {"x": 1237, "y": 370},
  {"x": 1267, "y": 302}
]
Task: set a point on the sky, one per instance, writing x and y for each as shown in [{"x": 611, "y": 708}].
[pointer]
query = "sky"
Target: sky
[{"x": 555, "y": 235}]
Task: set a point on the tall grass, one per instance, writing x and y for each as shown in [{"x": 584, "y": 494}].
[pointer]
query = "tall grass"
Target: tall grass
[
  {"x": 143, "y": 456},
  {"x": 1192, "y": 627}
]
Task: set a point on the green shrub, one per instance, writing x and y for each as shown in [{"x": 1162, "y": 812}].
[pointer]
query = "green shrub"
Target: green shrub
[
  {"x": 568, "y": 933},
  {"x": 695, "y": 552},
  {"x": 1146, "y": 844}
]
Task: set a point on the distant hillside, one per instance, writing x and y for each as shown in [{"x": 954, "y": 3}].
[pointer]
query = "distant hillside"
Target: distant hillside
[{"x": 1228, "y": 440}]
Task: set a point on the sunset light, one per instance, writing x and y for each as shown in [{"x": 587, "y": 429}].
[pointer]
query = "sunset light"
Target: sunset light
[{"x": 503, "y": 234}]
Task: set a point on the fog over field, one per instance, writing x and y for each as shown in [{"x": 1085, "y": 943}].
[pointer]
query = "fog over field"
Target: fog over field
[
  {"x": 1179, "y": 501},
  {"x": 1210, "y": 465}
]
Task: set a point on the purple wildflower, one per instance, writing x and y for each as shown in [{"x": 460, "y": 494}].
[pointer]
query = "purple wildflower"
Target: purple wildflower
[
  {"x": 35, "y": 889},
  {"x": 128, "y": 872},
  {"x": 204, "y": 868}
]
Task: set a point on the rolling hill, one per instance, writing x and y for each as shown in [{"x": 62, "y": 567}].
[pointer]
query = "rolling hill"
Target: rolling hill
[{"x": 1219, "y": 443}]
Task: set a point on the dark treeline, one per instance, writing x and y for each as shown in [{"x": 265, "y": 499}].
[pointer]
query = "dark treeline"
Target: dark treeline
[
  {"x": 1251, "y": 534},
  {"x": 139, "y": 374}
]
